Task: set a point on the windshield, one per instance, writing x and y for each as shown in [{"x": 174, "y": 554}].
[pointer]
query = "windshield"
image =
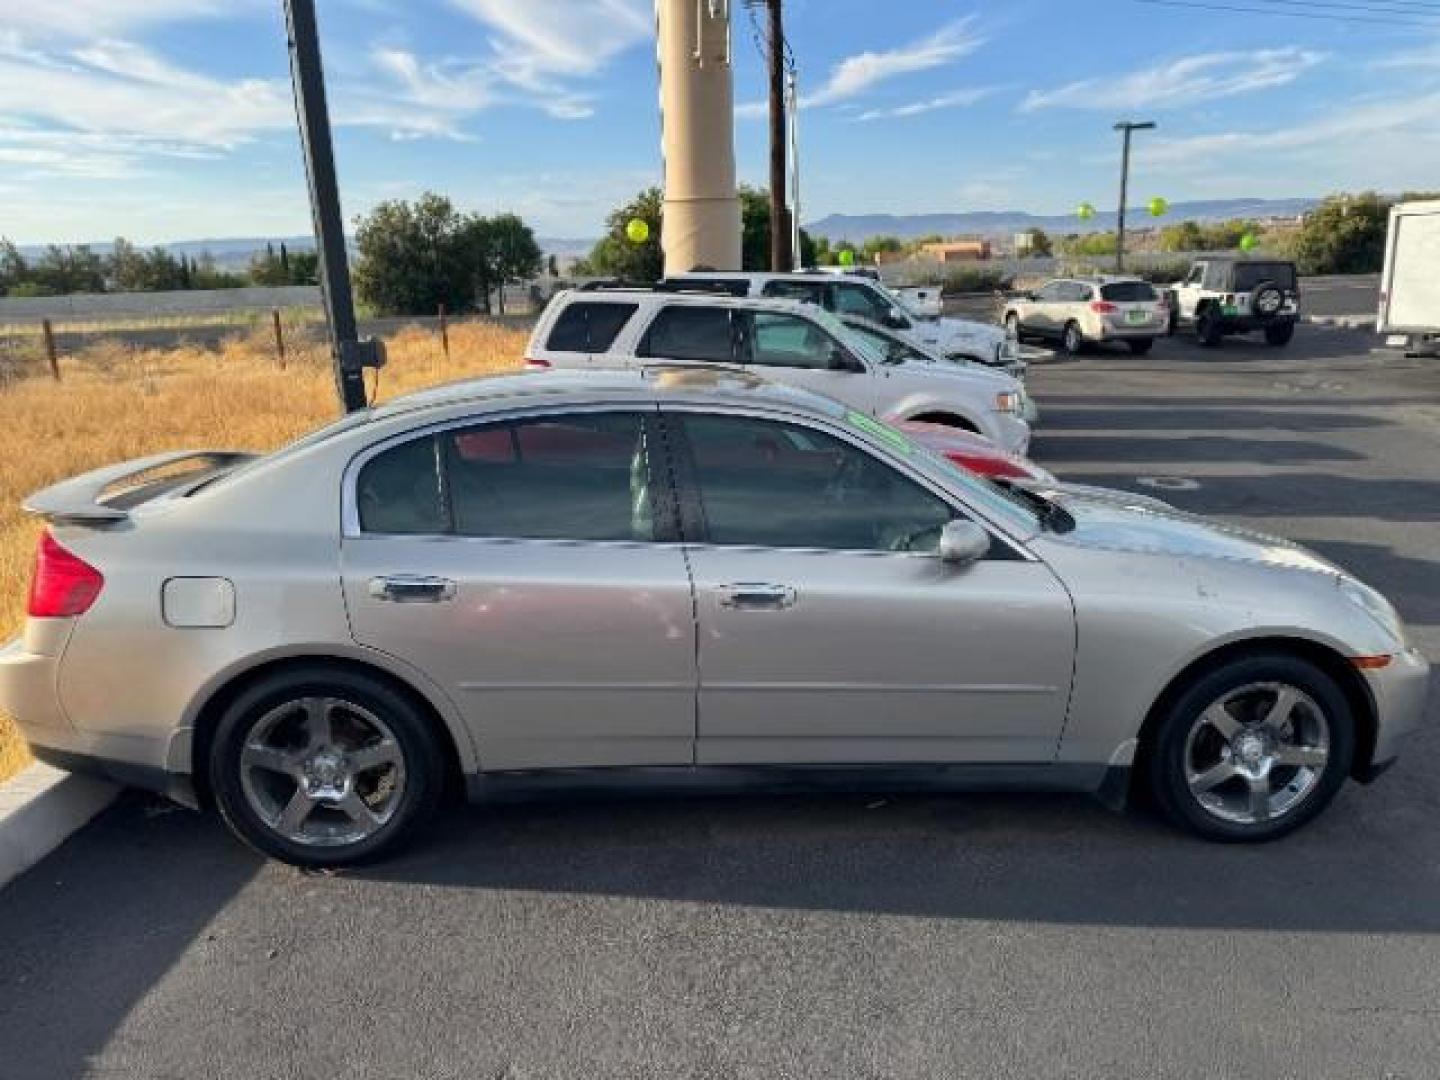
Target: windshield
[{"x": 990, "y": 499}]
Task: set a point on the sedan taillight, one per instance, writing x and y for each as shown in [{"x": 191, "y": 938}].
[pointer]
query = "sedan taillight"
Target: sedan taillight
[
  {"x": 64, "y": 584},
  {"x": 534, "y": 364},
  {"x": 1103, "y": 307}
]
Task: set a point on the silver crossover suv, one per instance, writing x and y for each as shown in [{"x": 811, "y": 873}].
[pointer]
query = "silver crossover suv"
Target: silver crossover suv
[{"x": 675, "y": 576}]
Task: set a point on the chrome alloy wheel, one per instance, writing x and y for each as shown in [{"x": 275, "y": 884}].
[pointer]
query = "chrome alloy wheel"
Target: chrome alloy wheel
[
  {"x": 322, "y": 771},
  {"x": 1257, "y": 753}
]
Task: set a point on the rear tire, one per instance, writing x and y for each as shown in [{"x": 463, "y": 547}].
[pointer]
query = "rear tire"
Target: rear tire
[
  {"x": 1072, "y": 339},
  {"x": 1208, "y": 329},
  {"x": 323, "y": 767},
  {"x": 1279, "y": 334},
  {"x": 1140, "y": 346},
  {"x": 1219, "y": 768}
]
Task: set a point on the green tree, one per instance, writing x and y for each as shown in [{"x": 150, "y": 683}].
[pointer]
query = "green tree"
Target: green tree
[
  {"x": 514, "y": 254},
  {"x": 69, "y": 269},
  {"x": 755, "y": 232},
  {"x": 14, "y": 271},
  {"x": 415, "y": 256},
  {"x": 1092, "y": 244},
  {"x": 205, "y": 274},
  {"x": 1345, "y": 234},
  {"x": 616, "y": 255},
  {"x": 1041, "y": 245}
]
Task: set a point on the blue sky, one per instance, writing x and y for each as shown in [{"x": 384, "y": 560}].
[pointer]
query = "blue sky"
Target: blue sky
[{"x": 172, "y": 119}]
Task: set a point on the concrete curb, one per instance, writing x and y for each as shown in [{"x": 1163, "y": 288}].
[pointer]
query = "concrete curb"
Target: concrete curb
[
  {"x": 1344, "y": 322},
  {"x": 39, "y": 808}
]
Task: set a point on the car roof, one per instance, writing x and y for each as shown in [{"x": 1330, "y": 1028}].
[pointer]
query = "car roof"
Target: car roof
[
  {"x": 662, "y": 381},
  {"x": 819, "y": 277},
  {"x": 699, "y": 297}
]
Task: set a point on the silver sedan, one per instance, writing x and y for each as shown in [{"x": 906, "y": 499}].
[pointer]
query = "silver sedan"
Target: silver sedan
[{"x": 680, "y": 578}]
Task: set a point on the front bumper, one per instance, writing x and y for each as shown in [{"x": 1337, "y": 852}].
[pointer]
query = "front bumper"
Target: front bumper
[{"x": 1400, "y": 691}]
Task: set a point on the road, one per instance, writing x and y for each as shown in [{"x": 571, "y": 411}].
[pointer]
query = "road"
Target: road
[{"x": 837, "y": 937}]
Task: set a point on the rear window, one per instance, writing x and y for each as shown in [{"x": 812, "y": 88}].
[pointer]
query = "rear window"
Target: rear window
[
  {"x": 590, "y": 326},
  {"x": 1249, "y": 275},
  {"x": 1128, "y": 291}
]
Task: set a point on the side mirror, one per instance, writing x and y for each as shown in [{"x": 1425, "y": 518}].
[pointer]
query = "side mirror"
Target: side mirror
[
  {"x": 840, "y": 360},
  {"x": 895, "y": 320},
  {"x": 963, "y": 542}
]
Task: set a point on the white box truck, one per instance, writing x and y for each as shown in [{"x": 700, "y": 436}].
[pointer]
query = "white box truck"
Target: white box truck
[{"x": 1410, "y": 284}]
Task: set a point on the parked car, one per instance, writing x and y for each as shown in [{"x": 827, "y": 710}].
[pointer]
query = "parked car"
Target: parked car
[
  {"x": 798, "y": 344},
  {"x": 847, "y": 295},
  {"x": 695, "y": 577},
  {"x": 901, "y": 348},
  {"x": 1078, "y": 312},
  {"x": 1224, "y": 294}
]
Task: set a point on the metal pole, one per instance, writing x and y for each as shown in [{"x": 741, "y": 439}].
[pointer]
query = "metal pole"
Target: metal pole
[
  {"x": 1126, "y": 127},
  {"x": 50, "y": 352},
  {"x": 781, "y": 255},
  {"x": 279, "y": 337},
  {"x": 797, "y": 249},
  {"x": 351, "y": 355}
]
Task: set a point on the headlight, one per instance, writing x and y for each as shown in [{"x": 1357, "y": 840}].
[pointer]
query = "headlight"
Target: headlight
[
  {"x": 1374, "y": 605},
  {"x": 1009, "y": 401}
]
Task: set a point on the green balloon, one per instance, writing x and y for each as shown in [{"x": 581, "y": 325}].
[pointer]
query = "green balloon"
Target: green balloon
[
  {"x": 637, "y": 230},
  {"x": 846, "y": 257},
  {"x": 1158, "y": 207},
  {"x": 1085, "y": 211},
  {"x": 1249, "y": 242}
]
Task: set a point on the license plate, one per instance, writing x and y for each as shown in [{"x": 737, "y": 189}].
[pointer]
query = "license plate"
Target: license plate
[
  {"x": 1137, "y": 317},
  {"x": 1230, "y": 309}
]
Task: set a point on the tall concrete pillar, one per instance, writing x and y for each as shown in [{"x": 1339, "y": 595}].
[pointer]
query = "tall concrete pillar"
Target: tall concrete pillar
[{"x": 697, "y": 119}]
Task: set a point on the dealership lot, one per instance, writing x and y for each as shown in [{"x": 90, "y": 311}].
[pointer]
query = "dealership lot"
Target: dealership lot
[{"x": 840, "y": 936}]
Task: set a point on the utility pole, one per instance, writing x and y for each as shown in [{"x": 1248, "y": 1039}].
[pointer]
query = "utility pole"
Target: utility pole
[
  {"x": 797, "y": 249},
  {"x": 1125, "y": 126},
  {"x": 781, "y": 253},
  {"x": 351, "y": 355}
]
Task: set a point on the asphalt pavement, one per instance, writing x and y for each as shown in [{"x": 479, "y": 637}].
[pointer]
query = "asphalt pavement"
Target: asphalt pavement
[{"x": 836, "y": 937}]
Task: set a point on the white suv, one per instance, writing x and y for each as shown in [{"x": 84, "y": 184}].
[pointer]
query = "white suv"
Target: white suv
[
  {"x": 794, "y": 343},
  {"x": 1079, "y": 311},
  {"x": 846, "y": 295}
]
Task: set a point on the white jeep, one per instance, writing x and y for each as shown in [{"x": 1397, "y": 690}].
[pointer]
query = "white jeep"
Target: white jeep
[
  {"x": 1224, "y": 294},
  {"x": 795, "y": 343}
]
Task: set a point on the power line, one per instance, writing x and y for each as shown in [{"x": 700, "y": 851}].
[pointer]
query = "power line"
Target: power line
[{"x": 1420, "y": 20}]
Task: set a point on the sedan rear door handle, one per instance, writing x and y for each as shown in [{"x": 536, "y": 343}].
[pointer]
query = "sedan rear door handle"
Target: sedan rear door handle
[
  {"x": 757, "y": 596},
  {"x": 412, "y": 589}
]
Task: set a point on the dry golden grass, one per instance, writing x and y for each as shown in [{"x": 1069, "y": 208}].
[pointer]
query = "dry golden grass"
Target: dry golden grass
[{"x": 115, "y": 403}]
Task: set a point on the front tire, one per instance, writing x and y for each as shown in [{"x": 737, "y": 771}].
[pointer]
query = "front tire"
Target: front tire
[
  {"x": 1208, "y": 328},
  {"x": 1279, "y": 334},
  {"x": 1252, "y": 750},
  {"x": 324, "y": 767}
]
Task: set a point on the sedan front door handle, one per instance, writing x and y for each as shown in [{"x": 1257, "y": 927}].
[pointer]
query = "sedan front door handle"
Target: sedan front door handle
[
  {"x": 757, "y": 596},
  {"x": 412, "y": 589}
]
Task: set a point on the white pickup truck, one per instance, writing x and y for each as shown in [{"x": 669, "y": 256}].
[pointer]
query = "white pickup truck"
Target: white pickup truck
[{"x": 1410, "y": 283}]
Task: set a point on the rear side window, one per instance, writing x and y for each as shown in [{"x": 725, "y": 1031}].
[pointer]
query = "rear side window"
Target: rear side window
[
  {"x": 579, "y": 477},
  {"x": 691, "y": 332},
  {"x": 1128, "y": 291},
  {"x": 807, "y": 292},
  {"x": 1249, "y": 275},
  {"x": 589, "y": 326}
]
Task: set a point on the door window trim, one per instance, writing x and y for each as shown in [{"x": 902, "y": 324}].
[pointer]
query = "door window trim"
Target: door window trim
[
  {"x": 663, "y": 493},
  {"x": 693, "y": 529}
]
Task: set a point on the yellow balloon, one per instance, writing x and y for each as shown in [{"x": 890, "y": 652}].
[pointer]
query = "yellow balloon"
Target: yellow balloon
[
  {"x": 1158, "y": 207},
  {"x": 847, "y": 257},
  {"x": 637, "y": 230},
  {"x": 1249, "y": 242},
  {"x": 1085, "y": 211}
]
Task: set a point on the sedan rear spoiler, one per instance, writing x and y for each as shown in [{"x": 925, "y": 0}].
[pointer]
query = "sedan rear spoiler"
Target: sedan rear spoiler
[{"x": 105, "y": 496}]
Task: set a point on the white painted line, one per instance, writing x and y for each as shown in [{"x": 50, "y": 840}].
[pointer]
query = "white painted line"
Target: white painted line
[
  {"x": 1168, "y": 483},
  {"x": 39, "y": 808}
]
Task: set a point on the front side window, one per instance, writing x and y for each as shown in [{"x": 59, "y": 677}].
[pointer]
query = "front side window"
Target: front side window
[
  {"x": 806, "y": 292},
  {"x": 769, "y": 484},
  {"x": 778, "y": 340},
  {"x": 1051, "y": 292},
  {"x": 691, "y": 332},
  {"x": 589, "y": 326},
  {"x": 1197, "y": 275},
  {"x": 858, "y": 300},
  {"x": 568, "y": 477},
  {"x": 893, "y": 350}
]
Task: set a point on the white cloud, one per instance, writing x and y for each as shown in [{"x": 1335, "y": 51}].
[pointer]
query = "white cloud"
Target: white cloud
[
  {"x": 97, "y": 18},
  {"x": 1187, "y": 81},
  {"x": 562, "y": 37},
  {"x": 856, "y": 74},
  {"x": 953, "y": 100}
]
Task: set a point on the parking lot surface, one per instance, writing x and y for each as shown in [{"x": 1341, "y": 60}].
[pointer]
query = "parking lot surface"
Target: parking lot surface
[{"x": 849, "y": 936}]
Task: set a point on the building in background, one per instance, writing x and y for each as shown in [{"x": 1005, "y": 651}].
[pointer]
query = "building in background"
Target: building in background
[{"x": 953, "y": 251}]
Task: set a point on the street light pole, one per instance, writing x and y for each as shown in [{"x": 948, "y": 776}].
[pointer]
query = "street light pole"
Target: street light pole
[
  {"x": 793, "y": 104},
  {"x": 351, "y": 355},
  {"x": 1126, "y": 127}
]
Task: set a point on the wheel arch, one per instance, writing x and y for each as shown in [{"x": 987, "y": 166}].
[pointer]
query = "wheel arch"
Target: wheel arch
[
  {"x": 947, "y": 417},
  {"x": 210, "y": 706},
  {"x": 1325, "y": 657}
]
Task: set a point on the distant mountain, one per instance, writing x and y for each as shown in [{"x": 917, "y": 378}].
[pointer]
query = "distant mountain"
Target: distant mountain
[{"x": 860, "y": 227}]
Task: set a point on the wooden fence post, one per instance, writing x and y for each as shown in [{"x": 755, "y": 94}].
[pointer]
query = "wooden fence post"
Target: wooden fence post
[
  {"x": 50, "y": 353},
  {"x": 444, "y": 333},
  {"x": 279, "y": 336}
]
